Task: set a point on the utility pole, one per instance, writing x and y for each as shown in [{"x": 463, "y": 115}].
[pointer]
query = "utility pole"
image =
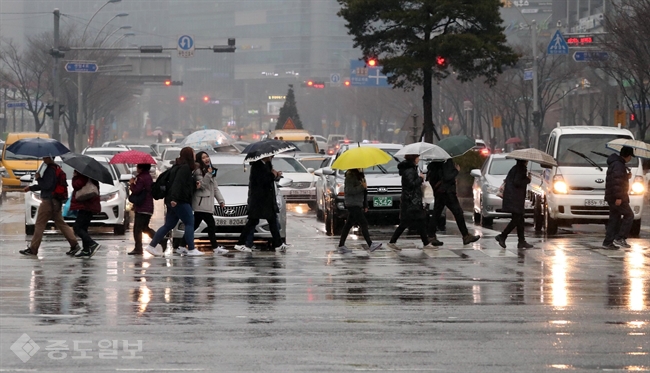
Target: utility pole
[
  {"x": 415, "y": 127},
  {"x": 535, "y": 80},
  {"x": 55, "y": 75},
  {"x": 79, "y": 146}
]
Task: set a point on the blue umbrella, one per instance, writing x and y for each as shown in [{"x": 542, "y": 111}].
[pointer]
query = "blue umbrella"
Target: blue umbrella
[{"x": 38, "y": 147}]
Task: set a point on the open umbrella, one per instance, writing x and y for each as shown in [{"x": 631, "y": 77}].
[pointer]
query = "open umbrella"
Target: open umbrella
[
  {"x": 157, "y": 133},
  {"x": 457, "y": 145},
  {"x": 361, "y": 157},
  {"x": 206, "y": 138},
  {"x": 513, "y": 140},
  {"x": 38, "y": 147},
  {"x": 132, "y": 157},
  {"x": 262, "y": 149},
  {"x": 88, "y": 166},
  {"x": 641, "y": 149},
  {"x": 423, "y": 149},
  {"x": 533, "y": 155}
]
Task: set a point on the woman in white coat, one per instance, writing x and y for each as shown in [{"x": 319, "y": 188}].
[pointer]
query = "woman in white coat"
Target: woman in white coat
[{"x": 203, "y": 201}]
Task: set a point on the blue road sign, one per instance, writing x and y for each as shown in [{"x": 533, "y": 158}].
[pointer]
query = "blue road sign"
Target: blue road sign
[
  {"x": 11, "y": 105},
  {"x": 81, "y": 67},
  {"x": 335, "y": 78},
  {"x": 185, "y": 42},
  {"x": 528, "y": 74},
  {"x": 366, "y": 76},
  {"x": 590, "y": 56},
  {"x": 557, "y": 45}
]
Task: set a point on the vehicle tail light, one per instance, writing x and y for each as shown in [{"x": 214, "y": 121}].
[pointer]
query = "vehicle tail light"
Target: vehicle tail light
[{"x": 485, "y": 152}]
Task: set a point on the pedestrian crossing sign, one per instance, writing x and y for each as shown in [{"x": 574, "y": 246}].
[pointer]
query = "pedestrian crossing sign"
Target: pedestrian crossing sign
[
  {"x": 289, "y": 125},
  {"x": 558, "y": 45}
]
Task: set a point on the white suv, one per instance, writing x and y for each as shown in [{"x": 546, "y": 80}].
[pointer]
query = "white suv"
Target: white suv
[{"x": 574, "y": 191}]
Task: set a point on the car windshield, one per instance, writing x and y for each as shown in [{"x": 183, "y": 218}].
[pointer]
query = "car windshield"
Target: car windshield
[
  {"x": 501, "y": 166},
  {"x": 171, "y": 154},
  {"x": 288, "y": 165},
  {"x": 306, "y": 147},
  {"x": 69, "y": 171},
  {"x": 587, "y": 144},
  {"x": 100, "y": 151},
  {"x": 9, "y": 156},
  {"x": 311, "y": 163},
  {"x": 144, "y": 148},
  {"x": 232, "y": 174}
]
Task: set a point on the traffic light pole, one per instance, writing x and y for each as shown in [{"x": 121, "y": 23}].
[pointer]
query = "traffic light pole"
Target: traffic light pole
[
  {"x": 535, "y": 79},
  {"x": 56, "y": 134}
]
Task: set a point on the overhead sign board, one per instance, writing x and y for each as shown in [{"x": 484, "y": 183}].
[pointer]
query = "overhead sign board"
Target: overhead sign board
[
  {"x": 185, "y": 46},
  {"x": 12, "y": 105},
  {"x": 590, "y": 56},
  {"x": 362, "y": 75},
  {"x": 81, "y": 67},
  {"x": 557, "y": 45}
]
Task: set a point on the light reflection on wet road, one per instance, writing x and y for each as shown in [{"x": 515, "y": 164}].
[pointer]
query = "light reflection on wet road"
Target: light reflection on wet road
[{"x": 566, "y": 305}]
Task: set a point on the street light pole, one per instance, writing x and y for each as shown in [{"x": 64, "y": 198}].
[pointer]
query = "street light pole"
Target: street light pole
[
  {"x": 56, "y": 78},
  {"x": 113, "y": 33},
  {"x": 106, "y": 24},
  {"x": 83, "y": 35},
  {"x": 121, "y": 38},
  {"x": 535, "y": 79}
]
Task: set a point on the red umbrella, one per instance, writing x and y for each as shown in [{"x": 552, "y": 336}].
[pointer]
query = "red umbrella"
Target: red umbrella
[
  {"x": 513, "y": 140},
  {"x": 132, "y": 157}
]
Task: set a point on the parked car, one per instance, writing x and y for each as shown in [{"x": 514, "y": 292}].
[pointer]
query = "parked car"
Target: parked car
[
  {"x": 312, "y": 161},
  {"x": 321, "y": 141},
  {"x": 113, "y": 199},
  {"x": 481, "y": 147},
  {"x": 303, "y": 186},
  {"x": 487, "y": 181},
  {"x": 105, "y": 151},
  {"x": 168, "y": 158},
  {"x": 232, "y": 178},
  {"x": 384, "y": 190},
  {"x": 160, "y": 147}
]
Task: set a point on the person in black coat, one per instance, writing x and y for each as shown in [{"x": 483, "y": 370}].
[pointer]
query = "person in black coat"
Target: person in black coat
[
  {"x": 442, "y": 178},
  {"x": 262, "y": 203},
  {"x": 411, "y": 209},
  {"x": 617, "y": 186},
  {"x": 514, "y": 199}
]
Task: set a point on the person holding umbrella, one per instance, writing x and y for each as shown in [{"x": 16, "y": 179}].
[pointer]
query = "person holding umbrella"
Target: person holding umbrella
[
  {"x": 514, "y": 198},
  {"x": 85, "y": 200},
  {"x": 356, "y": 202},
  {"x": 53, "y": 188},
  {"x": 411, "y": 209},
  {"x": 142, "y": 200}
]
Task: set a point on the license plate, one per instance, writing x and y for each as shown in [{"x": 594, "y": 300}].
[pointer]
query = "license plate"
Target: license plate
[
  {"x": 382, "y": 201},
  {"x": 595, "y": 202},
  {"x": 300, "y": 192},
  {"x": 230, "y": 222}
]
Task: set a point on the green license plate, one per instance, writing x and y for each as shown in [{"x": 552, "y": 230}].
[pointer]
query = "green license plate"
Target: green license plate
[{"x": 382, "y": 201}]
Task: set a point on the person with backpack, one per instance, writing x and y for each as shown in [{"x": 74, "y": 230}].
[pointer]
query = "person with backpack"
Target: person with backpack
[
  {"x": 54, "y": 191},
  {"x": 203, "y": 202},
  {"x": 85, "y": 200},
  {"x": 356, "y": 202},
  {"x": 442, "y": 178},
  {"x": 514, "y": 200},
  {"x": 179, "y": 190},
  {"x": 142, "y": 200}
]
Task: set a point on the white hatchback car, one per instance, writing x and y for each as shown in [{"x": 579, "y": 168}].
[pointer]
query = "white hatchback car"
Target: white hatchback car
[
  {"x": 113, "y": 200},
  {"x": 303, "y": 186},
  {"x": 232, "y": 178}
]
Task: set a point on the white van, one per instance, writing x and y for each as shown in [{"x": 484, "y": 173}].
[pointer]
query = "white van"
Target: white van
[{"x": 574, "y": 191}]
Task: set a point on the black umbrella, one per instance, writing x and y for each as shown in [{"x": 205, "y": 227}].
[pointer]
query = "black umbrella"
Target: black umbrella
[
  {"x": 262, "y": 149},
  {"x": 38, "y": 147},
  {"x": 88, "y": 167}
]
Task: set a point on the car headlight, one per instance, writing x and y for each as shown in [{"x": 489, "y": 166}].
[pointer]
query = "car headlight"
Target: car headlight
[
  {"x": 110, "y": 197},
  {"x": 638, "y": 186},
  {"x": 490, "y": 189},
  {"x": 559, "y": 186}
]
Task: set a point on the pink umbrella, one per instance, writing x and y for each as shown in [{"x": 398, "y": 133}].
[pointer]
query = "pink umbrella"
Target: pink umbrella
[
  {"x": 132, "y": 157},
  {"x": 513, "y": 140}
]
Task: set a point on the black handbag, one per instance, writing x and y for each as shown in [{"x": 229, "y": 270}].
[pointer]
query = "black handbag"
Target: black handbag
[{"x": 137, "y": 199}]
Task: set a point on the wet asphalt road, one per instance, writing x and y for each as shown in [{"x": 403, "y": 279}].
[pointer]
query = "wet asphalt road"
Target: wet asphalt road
[{"x": 565, "y": 305}]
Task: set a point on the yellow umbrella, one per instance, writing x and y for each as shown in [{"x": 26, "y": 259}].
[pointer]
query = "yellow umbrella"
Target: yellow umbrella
[{"x": 361, "y": 157}]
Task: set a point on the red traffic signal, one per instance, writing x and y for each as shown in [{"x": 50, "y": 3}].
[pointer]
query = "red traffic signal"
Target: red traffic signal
[
  {"x": 441, "y": 61},
  {"x": 173, "y": 82},
  {"x": 206, "y": 98},
  {"x": 371, "y": 62},
  {"x": 168, "y": 82},
  {"x": 181, "y": 99},
  {"x": 310, "y": 83},
  {"x": 346, "y": 83},
  {"x": 632, "y": 117}
]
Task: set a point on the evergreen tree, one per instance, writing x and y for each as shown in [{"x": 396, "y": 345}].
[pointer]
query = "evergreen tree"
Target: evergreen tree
[{"x": 289, "y": 110}]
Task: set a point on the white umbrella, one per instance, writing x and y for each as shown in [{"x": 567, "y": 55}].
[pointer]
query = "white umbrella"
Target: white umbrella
[
  {"x": 207, "y": 138},
  {"x": 425, "y": 150},
  {"x": 533, "y": 155},
  {"x": 641, "y": 149}
]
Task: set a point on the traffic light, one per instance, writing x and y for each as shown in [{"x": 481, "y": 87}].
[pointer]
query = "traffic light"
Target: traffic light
[
  {"x": 181, "y": 99},
  {"x": 313, "y": 84},
  {"x": 49, "y": 110},
  {"x": 441, "y": 62},
  {"x": 206, "y": 98},
  {"x": 371, "y": 62},
  {"x": 537, "y": 118},
  {"x": 346, "y": 83},
  {"x": 173, "y": 82},
  {"x": 632, "y": 120}
]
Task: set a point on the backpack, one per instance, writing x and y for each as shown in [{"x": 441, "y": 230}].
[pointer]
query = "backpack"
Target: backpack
[
  {"x": 163, "y": 184},
  {"x": 60, "y": 184}
]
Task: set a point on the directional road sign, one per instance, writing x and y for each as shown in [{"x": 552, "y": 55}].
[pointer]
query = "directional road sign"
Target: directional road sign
[
  {"x": 557, "y": 45},
  {"x": 185, "y": 46},
  {"x": 362, "y": 75},
  {"x": 335, "y": 79},
  {"x": 528, "y": 74},
  {"x": 81, "y": 67},
  {"x": 590, "y": 56},
  {"x": 11, "y": 105}
]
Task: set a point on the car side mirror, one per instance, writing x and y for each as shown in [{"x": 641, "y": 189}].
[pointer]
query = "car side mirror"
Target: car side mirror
[
  {"x": 26, "y": 179},
  {"x": 475, "y": 172},
  {"x": 327, "y": 171},
  {"x": 310, "y": 170},
  {"x": 285, "y": 182},
  {"x": 322, "y": 151},
  {"x": 125, "y": 178},
  {"x": 318, "y": 172}
]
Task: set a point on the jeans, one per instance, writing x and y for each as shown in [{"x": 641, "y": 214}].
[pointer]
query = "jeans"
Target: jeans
[
  {"x": 141, "y": 225},
  {"x": 355, "y": 216},
  {"x": 182, "y": 212},
  {"x": 81, "y": 228},
  {"x": 618, "y": 228},
  {"x": 451, "y": 201},
  {"x": 209, "y": 221},
  {"x": 517, "y": 221},
  {"x": 274, "y": 226}
]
